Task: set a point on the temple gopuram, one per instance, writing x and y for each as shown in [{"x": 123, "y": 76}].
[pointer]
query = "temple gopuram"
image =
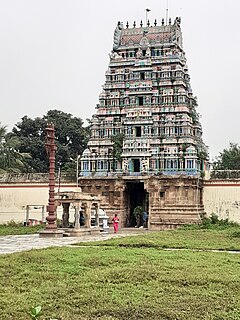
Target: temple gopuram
[{"x": 146, "y": 146}]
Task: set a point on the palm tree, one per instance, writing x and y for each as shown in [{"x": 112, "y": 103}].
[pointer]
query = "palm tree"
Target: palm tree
[{"x": 11, "y": 160}]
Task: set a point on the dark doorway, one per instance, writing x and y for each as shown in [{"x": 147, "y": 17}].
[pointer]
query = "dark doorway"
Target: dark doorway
[
  {"x": 136, "y": 165},
  {"x": 140, "y": 101},
  {"x": 136, "y": 196},
  {"x": 138, "y": 131}
]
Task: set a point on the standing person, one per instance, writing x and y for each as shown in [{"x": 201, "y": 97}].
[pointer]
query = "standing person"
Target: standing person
[
  {"x": 138, "y": 220},
  {"x": 145, "y": 218},
  {"x": 115, "y": 220},
  {"x": 81, "y": 219}
]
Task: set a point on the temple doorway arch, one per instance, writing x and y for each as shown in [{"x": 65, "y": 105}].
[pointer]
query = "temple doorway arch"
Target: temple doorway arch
[{"x": 136, "y": 195}]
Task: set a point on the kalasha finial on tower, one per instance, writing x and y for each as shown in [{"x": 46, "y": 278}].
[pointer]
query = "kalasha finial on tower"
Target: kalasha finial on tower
[{"x": 147, "y": 10}]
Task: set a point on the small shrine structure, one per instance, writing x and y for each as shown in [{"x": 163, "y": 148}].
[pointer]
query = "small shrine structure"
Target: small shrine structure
[{"x": 87, "y": 204}]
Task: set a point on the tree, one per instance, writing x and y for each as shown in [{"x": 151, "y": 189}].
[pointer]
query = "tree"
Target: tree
[
  {"x": 117, "y": 147},
  {"x": 11, "y": 159},
  {"x": 229, "y": 158},
  {"x": 71, "y": 139}
]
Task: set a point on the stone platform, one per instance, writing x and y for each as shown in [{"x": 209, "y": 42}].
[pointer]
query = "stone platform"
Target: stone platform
[{"x": 18, "y": 243}]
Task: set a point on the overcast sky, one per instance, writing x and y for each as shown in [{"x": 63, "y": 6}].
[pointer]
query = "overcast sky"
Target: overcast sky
[{"x": 54, "y": 54}]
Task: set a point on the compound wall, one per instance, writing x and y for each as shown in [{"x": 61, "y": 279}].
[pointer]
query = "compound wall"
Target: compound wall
[
  {"x": 14, "y": 199},
  {"x": 222, "y": 197}
]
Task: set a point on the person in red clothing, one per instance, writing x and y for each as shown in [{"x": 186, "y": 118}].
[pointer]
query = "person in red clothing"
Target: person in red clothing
[{"x": 115, "y": 220}]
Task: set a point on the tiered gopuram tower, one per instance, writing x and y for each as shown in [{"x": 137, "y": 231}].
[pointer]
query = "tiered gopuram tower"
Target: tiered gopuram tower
[{"x": 146, "y": 126}]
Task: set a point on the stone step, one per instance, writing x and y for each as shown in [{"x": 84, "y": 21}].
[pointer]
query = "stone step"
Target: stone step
[
  {"x": 179, "y": 206},
  {"x": 183, "y": 206},
  {"x": 174, "y": 216},
  {"x": 178, "y": 209},
  {"x": 174, "y": 211},
  {"x": 174, "y": 222},
  {"x": 165, "y": 226}
]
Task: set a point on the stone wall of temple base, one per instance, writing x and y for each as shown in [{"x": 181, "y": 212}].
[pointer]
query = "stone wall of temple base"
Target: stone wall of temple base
[
  {"x": 112, "y": 193},
  {"x": 174, "y": 201},
  {"x": 170, "y": 201}
]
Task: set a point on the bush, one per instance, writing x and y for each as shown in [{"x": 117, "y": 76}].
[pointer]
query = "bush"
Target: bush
[
  {"x": 214, "y": 218},
  {"x": 214, "y": 221},
  {"x": 206, "y": 223},
  {"x": 138, "y": 211},
  {"x": 13, "y": 223},
  {"x": 236, "y": 234}
]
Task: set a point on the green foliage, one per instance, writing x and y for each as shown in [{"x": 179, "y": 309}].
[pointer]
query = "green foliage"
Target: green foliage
[
  {"x": 214, "y": 218},
  {"x": 228, "y": 159},
  {"x": 11, "y": 158},
  {"x": 117, "y": 146},
  {"x": 14, "y": 228},
  {"x": 194, "y": 116},
  {"x": 202, "y": 154},
  {"x": 71, "y": 139},
  {"x": 126, "y": 280},
  {"x": 13, "y": 223},
  {"x": 35, "y": 312},
  {"x": 215, "y": 221},
  {"x": 236, "y": 234},
  {"x": 138, "y": 211}
]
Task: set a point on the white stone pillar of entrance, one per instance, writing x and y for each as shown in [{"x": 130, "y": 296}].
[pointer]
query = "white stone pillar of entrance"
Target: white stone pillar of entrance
[
  {"x": 77, "y": 208},
  {"x": 88, "y": 215},
  {"x": 27, "y": 214},
  {"x": 97, "y": 215},
  {"x": 181, "y": 164},
  {"x": 195, "y": 166},
  {"x": 43, "y": 213},
  {"x": 162, "y": 164}
]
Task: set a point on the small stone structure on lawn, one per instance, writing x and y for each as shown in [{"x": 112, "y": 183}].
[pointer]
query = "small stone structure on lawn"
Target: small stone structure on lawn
[{"x": 88, "y": 204}]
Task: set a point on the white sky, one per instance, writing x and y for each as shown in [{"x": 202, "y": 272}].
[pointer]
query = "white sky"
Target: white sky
[{"x": 54, "y": 54}]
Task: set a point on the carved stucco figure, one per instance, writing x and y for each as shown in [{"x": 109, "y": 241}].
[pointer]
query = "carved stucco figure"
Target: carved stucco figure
[{"x": 117, "y": 35}]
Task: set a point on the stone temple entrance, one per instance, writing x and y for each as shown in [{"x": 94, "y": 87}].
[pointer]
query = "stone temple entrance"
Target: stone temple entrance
[
  {"x": 170, "y": 201},
  {"x": 136, "y": 195}
]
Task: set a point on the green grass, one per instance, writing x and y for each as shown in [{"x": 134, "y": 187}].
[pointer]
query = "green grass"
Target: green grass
[
  {"x": 17, "y": 228},
  {"x": 195, "y": 238},
  {"x": 127, "y": 278}
]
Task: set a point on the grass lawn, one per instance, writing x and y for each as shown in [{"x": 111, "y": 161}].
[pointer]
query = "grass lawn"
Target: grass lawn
[
  {"x": 17, "y": 228},
  {"x": 127, "y": 278},
  {"x": 227, "y": 238}
]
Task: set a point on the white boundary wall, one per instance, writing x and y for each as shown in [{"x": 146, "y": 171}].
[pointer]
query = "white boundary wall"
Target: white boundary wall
[
  {"x": 14, "y": 199},
  {"x": 222, "y": 197}
]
